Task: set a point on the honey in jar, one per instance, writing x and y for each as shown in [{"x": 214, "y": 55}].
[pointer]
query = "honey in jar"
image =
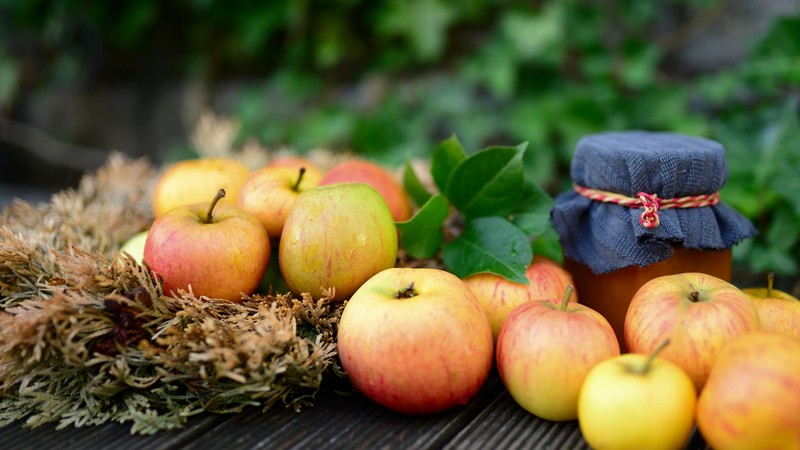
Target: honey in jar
[{"x": 643, "y": 205}]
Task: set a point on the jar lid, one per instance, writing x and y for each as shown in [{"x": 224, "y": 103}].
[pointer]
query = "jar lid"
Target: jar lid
[{"x": 600, "y": 223}]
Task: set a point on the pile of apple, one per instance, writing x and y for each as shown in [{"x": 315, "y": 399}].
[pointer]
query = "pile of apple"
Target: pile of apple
[
  {"x": 217, "y": 224},
  {"x": 420, "y": 340}
]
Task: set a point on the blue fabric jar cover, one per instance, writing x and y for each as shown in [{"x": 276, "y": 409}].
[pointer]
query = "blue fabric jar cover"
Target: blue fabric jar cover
[{"x": 607, "y": 236}]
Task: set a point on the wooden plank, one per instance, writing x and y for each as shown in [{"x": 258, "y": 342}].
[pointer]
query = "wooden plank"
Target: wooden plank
[
  {"x": 111, "y": 436},
  {"x": 345, "y": 421}
]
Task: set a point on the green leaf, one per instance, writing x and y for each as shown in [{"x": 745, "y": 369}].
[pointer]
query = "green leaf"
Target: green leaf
[
  {"x": 489, "y": 244},
  {"x": 415, "y": 189},
  {"x": 533, "y": 212},
  {"x": 447, "y": 156},
  {"x": 488, "y": 183},
  {"x": 422, "y": 235}
]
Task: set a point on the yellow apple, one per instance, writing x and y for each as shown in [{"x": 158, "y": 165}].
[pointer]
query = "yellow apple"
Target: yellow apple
[
  {"x": 752, "y": 398},
  {"x": 777, "y": 310},
  {"x": 636, "y": 401},
  {"x": 269, "y": 194},
  {"x": 218, "y": 251},
  {"x": 197, "y": 180}
]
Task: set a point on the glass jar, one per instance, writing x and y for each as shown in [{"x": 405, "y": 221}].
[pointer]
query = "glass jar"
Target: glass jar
[{"x": 644, "y": 204}]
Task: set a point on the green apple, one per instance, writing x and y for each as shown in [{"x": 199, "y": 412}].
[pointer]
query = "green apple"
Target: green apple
[
  {"x": 415, "y": 340},
  {"x": 778, "y": 311},
  {"x": 636, "y": 401},
  {"x": 135, "y": 246},
  {"x": 336, "y": 236},
  {"x": 270, "y": 192},
  {"x": 545, "y": 349},
  {"x": 219, "y": 251}
]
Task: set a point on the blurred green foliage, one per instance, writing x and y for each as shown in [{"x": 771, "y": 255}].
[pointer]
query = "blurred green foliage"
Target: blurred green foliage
[{"x": 391, "y": 78}]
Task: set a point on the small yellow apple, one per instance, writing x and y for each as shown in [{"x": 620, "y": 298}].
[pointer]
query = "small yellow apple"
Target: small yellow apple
[
  {"x": 196, "y": 180},
  {"x": 636, "y": 401},
  {"x": 777, "y": 310}
]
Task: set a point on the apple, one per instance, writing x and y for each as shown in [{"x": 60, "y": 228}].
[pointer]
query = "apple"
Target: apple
[
  {"x": 635, "y": 401},
  {"x": 270, "y": 192},
  {"x": 134, "y": 246},
  {"x": 313, "y": 172},
  {"x": 498, "y": 296},
  {"x": 217, "y": 251},
  {"x": 197, "y": 180},
  {"x": 383, "y": 181},
  {"x": 752, "y": 398},
  {"x": 778, "y": 311},
  {"x": 415, "y": 340},
  {"x": 699, "y": 313},
  {"x": 336, "y": 236},
  {"x": 546, "y": 348}
]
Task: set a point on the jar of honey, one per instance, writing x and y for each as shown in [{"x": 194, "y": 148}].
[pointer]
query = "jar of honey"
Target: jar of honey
[{"x": 643, "y": 205}]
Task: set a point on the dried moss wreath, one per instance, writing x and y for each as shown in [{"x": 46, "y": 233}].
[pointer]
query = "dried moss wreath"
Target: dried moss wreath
[{"x": 87, "y": 336}]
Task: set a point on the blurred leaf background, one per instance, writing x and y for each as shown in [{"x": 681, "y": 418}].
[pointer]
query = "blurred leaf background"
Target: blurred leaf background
[{"x": 390, "y": 79}]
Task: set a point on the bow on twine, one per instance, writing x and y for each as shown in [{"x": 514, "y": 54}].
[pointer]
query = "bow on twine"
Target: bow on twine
[{"x": 650, "y": 202}]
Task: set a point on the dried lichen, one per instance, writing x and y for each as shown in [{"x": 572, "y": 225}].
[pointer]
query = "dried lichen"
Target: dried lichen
[{"x": 87, "y": 336}]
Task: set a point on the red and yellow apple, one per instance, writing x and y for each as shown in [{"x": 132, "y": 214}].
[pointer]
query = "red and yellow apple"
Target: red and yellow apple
[
  {"x": 778, "y": 311},
  {"x": 415, "y": 340},
  {"x": 336, "y": 236},
  {"x": 635, "y": 401},
  {"x": 752, "y": 398},
  {"x": 217, "y": 251},
  {"x": 313, "y": 172},
  {"x": 498, "y": 296},
  {"x": 376, "y": 176},
  {"x": 197, "y": 180},
  {"x": 697, "y": 312},
  {"x": 546, "y": 348},
  {"x": 269, "y": 194}
]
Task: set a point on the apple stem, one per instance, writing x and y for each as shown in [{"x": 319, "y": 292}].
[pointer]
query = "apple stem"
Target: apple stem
[
  {"x": 299, "y": 179},
  {"x": 694, "y": 296},
  {"x": 217, "y": 198},
  {"x": 770, "y": 283},
  {"x": 567, "y": 294},
  {"x": 652, "y": 356},
  {"x": 407, "y": 292}
]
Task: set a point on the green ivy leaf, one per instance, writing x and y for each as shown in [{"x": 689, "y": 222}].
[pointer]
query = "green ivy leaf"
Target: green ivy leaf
[
  {"x": 415, "y": 189},
  {"x": 447, "y": 156},
  {"x": 422, "y": 235},
  {"x": 488, "y": 183},
  {"x": 489, "y": 244},
  {"x": 532, "y": 214}
]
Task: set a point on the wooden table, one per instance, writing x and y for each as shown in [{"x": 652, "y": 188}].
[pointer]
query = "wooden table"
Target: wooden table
[{"x": 338, "y": 419}]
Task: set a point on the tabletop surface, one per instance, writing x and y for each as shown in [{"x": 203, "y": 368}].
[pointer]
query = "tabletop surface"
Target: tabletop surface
[{"x": 338, "y": 418}]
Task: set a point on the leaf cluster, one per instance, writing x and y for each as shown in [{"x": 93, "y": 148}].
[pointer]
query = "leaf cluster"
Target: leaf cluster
[{"x": 498, "y": 211}]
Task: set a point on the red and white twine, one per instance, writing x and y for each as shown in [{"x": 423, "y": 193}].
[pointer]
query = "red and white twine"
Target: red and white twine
[{"x": 650, "y": 202}]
